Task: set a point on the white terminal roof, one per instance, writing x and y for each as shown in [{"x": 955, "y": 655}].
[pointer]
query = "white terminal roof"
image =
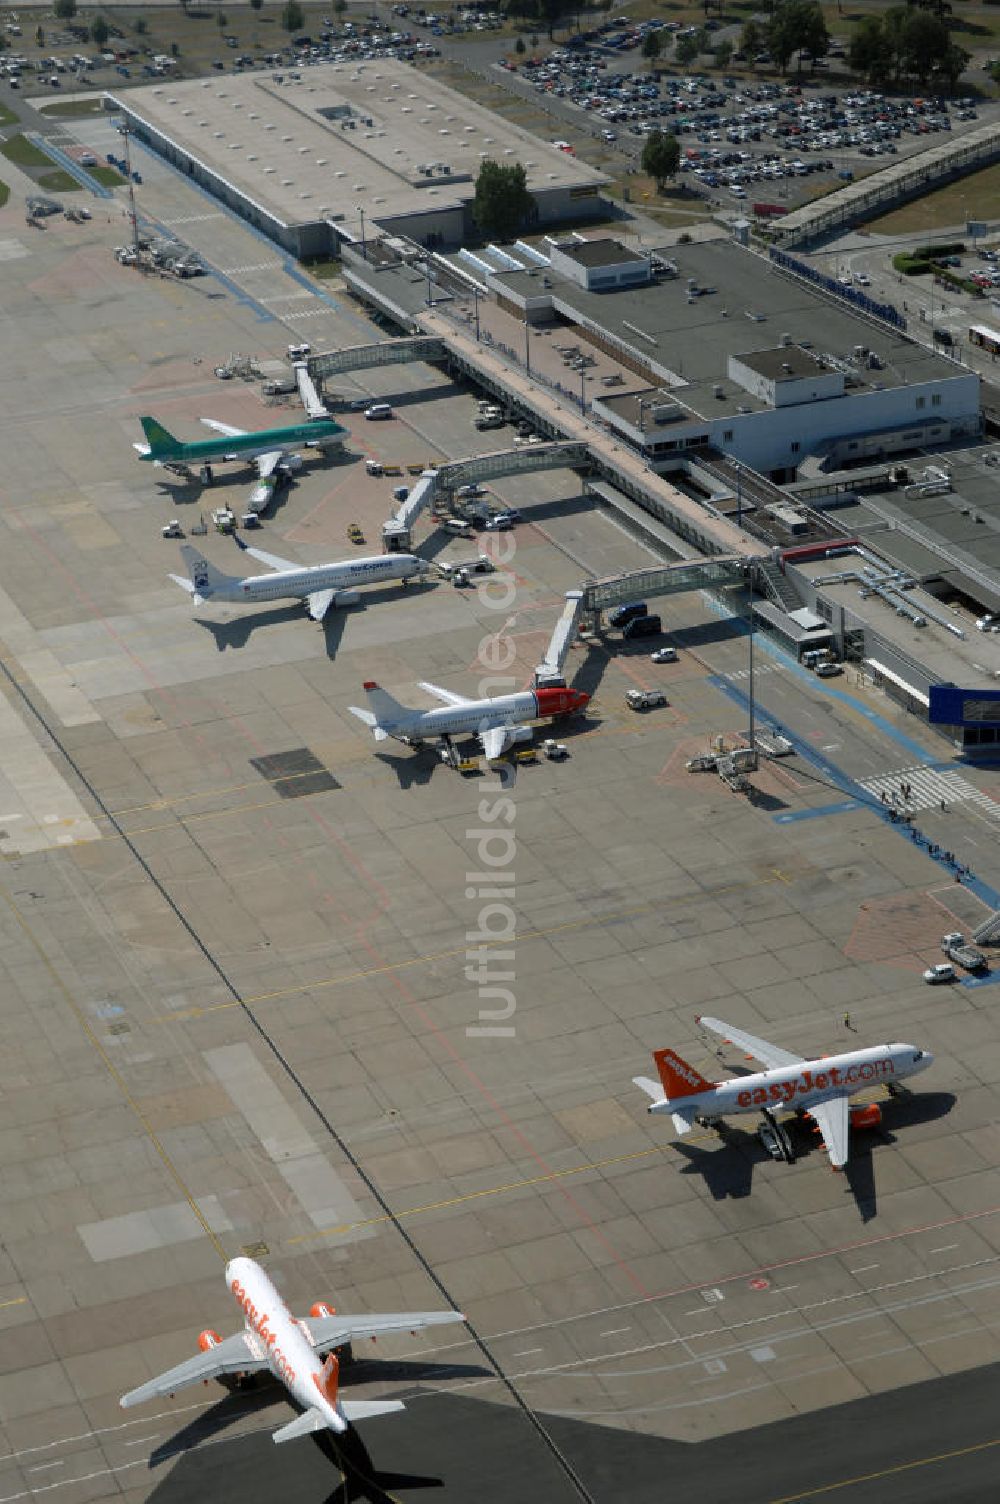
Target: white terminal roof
[{"x": 415, "y": 146}]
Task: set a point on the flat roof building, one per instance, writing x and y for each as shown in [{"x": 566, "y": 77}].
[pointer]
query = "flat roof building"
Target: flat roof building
[
  {"x": 745, "y": 357},
  {"x": 302, "y": 154}
]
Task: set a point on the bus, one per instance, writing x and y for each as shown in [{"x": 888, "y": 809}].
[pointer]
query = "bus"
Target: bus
[{"x": 985, "y": 339}]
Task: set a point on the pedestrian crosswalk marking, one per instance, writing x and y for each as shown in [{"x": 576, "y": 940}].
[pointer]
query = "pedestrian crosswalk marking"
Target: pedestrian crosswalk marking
[{"x": 927, "y": 788}]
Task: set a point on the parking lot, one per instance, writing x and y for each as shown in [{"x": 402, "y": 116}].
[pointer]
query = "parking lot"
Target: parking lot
[{"x": 739, "y": 137}]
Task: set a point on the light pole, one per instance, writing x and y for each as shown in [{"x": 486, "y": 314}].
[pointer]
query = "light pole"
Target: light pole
[
  {"x": 475, "y": 294},
  {"x": 753, "y": 734},
  {"x": 739, "y": 492},
  {"x": 427, "y": 264},
  {"x": 527, "y": 347},
  {"x": 364, "y": 253},
  {"x": 583, "y": 396}
]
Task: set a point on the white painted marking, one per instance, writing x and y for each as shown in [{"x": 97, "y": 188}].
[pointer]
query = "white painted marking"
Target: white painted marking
[
  {"x": 929, "y": 788},
  {"x": 615, "y": 1331},
  {"x": 141, "y": 1441},
  {"x": 863, "y": 1270},
  {"x": 41, "y": 1467},
  {"x": 528, "y": 1352},
  {"x": 947, "y": 1248}
]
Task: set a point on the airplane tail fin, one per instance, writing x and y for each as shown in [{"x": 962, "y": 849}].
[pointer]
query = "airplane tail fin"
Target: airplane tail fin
[
  {"x": 160, "y": 441},
  {"x": 385, "y": 711},
  {"x": 678, "y": 1078},
  {"x": 205, "y": 580},
  {"x": 302, "y": 1425}
]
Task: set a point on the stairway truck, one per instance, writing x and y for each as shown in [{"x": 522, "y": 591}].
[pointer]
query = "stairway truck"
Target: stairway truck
[{"x": 967, "y": 956}]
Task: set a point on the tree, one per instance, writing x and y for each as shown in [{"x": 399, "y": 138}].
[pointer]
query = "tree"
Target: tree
[
  {"x": 221, "y": 20},
  {"x": 751, "y": 39},
  {"x": 39, "y": 37},
  {"x": 796, "y": 26},
  {"x": 339, "y": 6},
  {"x": 502, "y": 203},
  {"x": 141, "y": 26},
  {"x": 953, "y": 64},
  {"x": 722, "y": 52},
  {"x": 872, "y": 52},
  {"x": 256, "y": 4},
  {"x": 924, "y": 39},
  {"x": 64, "y": 10},
  {"x": 687, "y": 50},
  {"x": 99, "y": 32},
  {"x": 292, "y": 16},
  {"x": 651, "y": 47},
  {"x": 661, "y": 156}
]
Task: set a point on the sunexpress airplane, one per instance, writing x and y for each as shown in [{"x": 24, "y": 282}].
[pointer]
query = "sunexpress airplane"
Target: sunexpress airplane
[{"x": 271, "y": 448}]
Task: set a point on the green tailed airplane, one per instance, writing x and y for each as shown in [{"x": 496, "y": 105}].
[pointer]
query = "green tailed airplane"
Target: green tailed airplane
[{"x": 271, "y": 448}]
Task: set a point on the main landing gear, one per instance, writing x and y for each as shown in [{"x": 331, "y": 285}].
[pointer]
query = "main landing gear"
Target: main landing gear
[{"x": 774, "y": 1137}]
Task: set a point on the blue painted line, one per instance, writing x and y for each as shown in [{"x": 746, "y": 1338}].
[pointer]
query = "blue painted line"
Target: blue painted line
[
  {"x": 791, "y": 816},
  {"x": 264, "y": 315},
  {"x": 288, "y": 262},
  {"x": 857, "y": 796},
  {"x": 68, "y": 164}
]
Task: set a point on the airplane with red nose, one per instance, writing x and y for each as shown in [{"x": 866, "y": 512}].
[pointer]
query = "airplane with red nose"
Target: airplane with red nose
[{"x": 497, "y": 722}]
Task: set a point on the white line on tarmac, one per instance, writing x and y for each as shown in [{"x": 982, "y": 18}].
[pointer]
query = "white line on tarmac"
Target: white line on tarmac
[{"x": 946, "y": 1249}]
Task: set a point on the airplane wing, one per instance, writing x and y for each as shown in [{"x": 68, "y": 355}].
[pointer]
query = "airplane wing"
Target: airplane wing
[
  {"x": 319, "y": 603},
  {"x": 331, "y": 1331},
  {"x": 226, "y": 428},
  {"x": 495, "y": 740},
  {"x": 271, "y": 560},
  {"x": 233, "y": 1355},
  {"x": 268, "y": 463},
  {"x": 446, "y": 695},
  {"x": 771, "y": 1055},
  {"x": 831, "y": 1118}
]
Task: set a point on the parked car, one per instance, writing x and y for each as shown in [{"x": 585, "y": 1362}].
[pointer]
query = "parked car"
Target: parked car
[
  {"x": 664, "y": 655},
  {"x": 942, "y": 972}
]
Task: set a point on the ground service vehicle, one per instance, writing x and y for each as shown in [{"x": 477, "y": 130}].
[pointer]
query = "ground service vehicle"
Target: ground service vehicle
[
  {"x": 622, "y": 615},
  {"x": 644, "y": 699},
  {"x": 967, "y": 956},
  {"x": 643, "y": 626},
  {"x": 942, "y": 972}
]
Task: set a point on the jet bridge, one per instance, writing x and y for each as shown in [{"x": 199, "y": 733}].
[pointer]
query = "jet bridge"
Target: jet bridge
[
  {"x": 663, "y": 579},
  {"x": 397, "y": 533},
  {"x": 549, "y": 672},
  {"x": 389, "y": 352},
  {"x": 311, "y": 400}
]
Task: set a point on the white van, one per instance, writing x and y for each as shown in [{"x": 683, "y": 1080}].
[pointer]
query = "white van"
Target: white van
[
  {"x": 379, "y": 410},
  {"x": 457, "y": 525}
]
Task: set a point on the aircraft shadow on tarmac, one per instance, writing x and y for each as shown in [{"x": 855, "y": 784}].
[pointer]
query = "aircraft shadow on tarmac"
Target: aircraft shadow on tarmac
[
  {"x": 728, "y": 1169},
  {"x": 237, "y": 633},
  {"x": 264, "y": 1393}
]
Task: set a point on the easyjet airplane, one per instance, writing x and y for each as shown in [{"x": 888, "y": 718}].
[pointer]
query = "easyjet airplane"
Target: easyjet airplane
[
  {"x": 821, "y": 1088},
  {"x": 289, "y": 1346}
]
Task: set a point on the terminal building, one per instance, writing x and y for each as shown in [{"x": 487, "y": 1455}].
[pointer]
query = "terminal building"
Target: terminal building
[
  {"x": 313, "y": 156},
  {"x": 738, "y": 355}
]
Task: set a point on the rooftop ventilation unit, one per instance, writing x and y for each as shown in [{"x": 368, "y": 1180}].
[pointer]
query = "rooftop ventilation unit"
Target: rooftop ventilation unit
[
  {"x": 786, "y": 368},
  {"x": 786, "y": 340},
  {"x": 718, "y": 391}
]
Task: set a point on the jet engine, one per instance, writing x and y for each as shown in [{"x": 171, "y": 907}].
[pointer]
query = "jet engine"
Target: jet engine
[
  {"x": 291, "y": 463},
  {"x": 868, "y": 1115},
  {"x": 521, "y": 733}
]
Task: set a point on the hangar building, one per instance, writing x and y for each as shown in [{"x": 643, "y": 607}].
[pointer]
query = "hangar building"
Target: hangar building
[{"x": 315, "y": 155}]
